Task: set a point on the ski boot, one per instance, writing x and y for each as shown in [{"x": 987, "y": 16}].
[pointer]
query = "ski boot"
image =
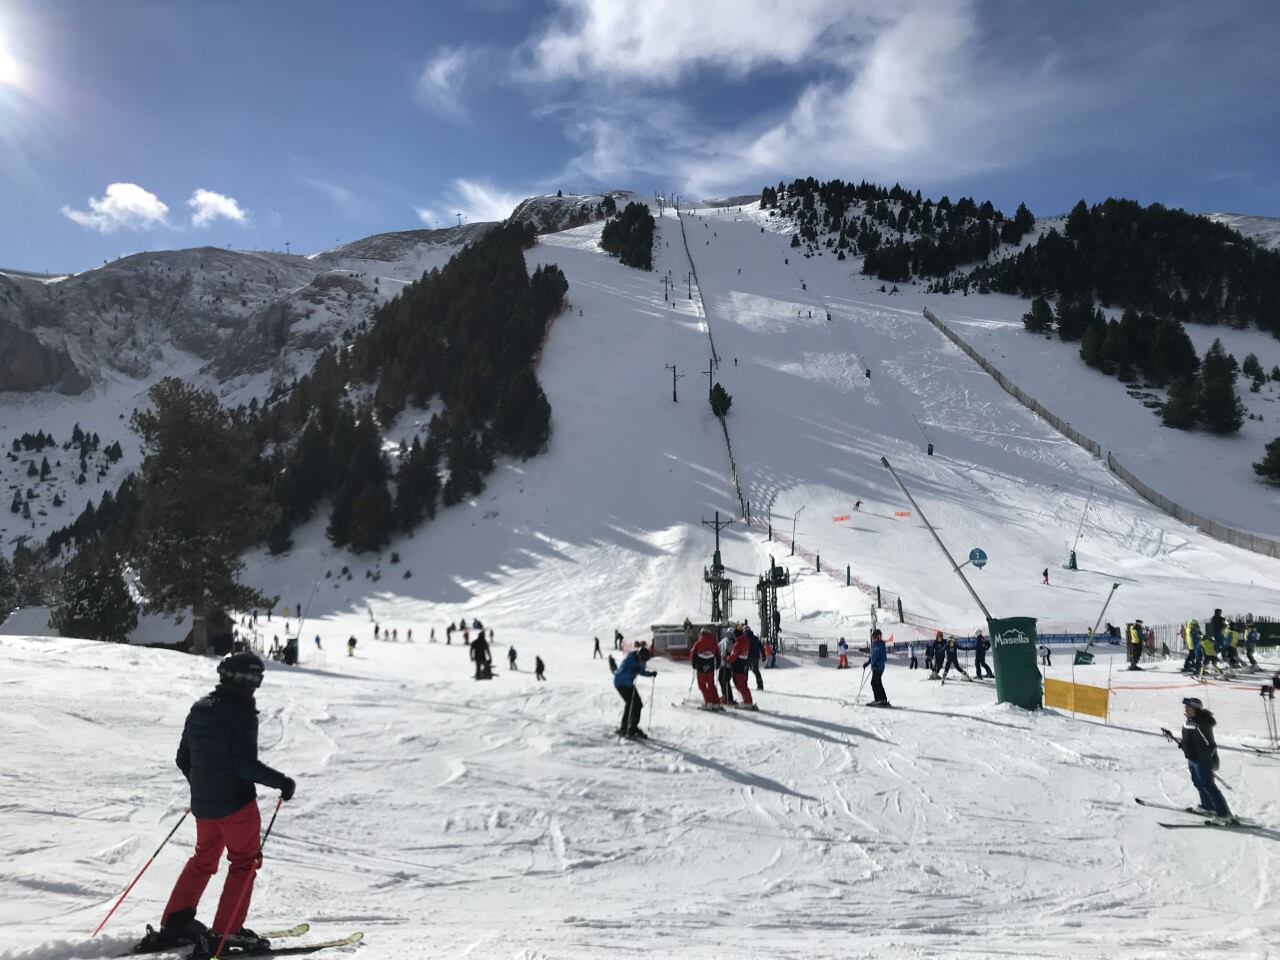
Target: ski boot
[
  {"x": 638, "y": 734},
  {"x": 244, "y": 941},
  {"x": 181, "y": 929}
]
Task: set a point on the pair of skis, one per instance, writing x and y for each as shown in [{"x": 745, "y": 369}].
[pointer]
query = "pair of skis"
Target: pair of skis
[
  {"x": 1195, "y": 813},
  {"x": 292, "y": 950}
]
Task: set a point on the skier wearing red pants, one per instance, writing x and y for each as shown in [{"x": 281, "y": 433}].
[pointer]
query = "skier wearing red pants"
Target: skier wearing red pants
[
  {"x": 218, "y": 755},
  {"x": 704, "y": 657},
  {"x": 738, "y": 659}
]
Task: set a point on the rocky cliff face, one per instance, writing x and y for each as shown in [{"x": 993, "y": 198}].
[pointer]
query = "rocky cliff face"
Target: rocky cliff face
[{"x": 242, "y": 312}]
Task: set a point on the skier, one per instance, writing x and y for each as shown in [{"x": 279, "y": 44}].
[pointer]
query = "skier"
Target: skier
[
  {"x": 724, "y": 675},
  {"x": 596, "y": 654},
  {"x": 218, "y": 754},
  {"x": 624, "y": 681},
  {"x": 290, "y": 655},
  {"x": 299, "y": 611},
  {"x": 756, "y": 651},
  {"x": 1046, "y": 656},
  {"x": 1201, "y": 751},
  {"x": 704, "y": 657},
  {"x": 915, "y": 662},
  {"x": 408, "y": 635},
  {"x": 351, "y": 646},
  {"x": 939, "y": 651},
  {"x": 952, "y": 661},
  {"x": 395, "y": 635},
  {"x": 448, "y": 635},
  {"x": 376, "y": 628},
  {"x": 466, "y": 636},
  {"x": 1233, "y": 641},
  {"x": 613, "y": 664},
  {"x": 1250, "y": 644},
  {"x": 1135, "y": 644},
  {"x": 318, "y": 647},
  {"x": 842, "y": 652},
  {"x": 738, "y": 658},
  {"x": 480, "y": 654},
  {"x": 877, "y": 661},
  {"x": 538, "y": 668},
  {"x": 981, "y": 644},
  {"x": 511, "y": 658},
  {"x": 617, "y": 639},
  {"x": 858, "y": 505},
  {"x": 1190, "y": 633},
  {"x": 1045, "y": 574}
]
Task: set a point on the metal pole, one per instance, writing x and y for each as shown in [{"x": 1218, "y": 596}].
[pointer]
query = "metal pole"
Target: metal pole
[
  {"x": 1080, "y": 529},
  {"x": 793, "y": 529},
  {"x": 938, "y": 540},
  {"x": 1114, "y": 588}
]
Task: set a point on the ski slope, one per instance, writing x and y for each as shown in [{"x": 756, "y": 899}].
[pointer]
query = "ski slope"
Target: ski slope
[{"x": 447, "y": 817}]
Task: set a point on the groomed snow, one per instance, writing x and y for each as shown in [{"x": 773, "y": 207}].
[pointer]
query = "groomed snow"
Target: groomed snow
[{"x": 452, "y": 818}]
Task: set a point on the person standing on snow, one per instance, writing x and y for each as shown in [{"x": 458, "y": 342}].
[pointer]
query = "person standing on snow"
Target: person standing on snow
[
  {"x": 877, "y": 661},
  {"x": 1045, "y": 574},
  {"x": 939, "y": 651},
  {"x": 1250, "y": 644},
  {"x": 842, "y": 655},
  {"x": 755, "y": 652},
  {"x": 724, "y": 674},
  {"x": 1201, "y": 750},
  {"x": 596, "y": 654},
  {"x": 624, "y": 681},
  {"x": 738, "y": 659},
  {"x": 539, "y": 668},
  {"x": 351, "y": 646},
  {"x": 1135, "y": 644},
  {"x": 218, "y": 754},
  {"x": 953, "y": 661},
  {"x": 479, "y": 653},
  {"x": 911, "y": 652},
  {"x": 511, "y": 658},
  {"x": 617, "y": 639},
  {"x": 981, "y": 644},
  {"x": 704, "y": 657}
]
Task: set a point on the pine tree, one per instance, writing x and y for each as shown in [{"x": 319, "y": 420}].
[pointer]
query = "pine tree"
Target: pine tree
[
  {"x": 94, "y": 601},
  {"x": 1268, "y": 468},
  {"x": 1039, "y": 319},
  {"x": 8, "y": 588},
  {"x": 1181, "y": 409},
  {"x": 720, "y": 400},
  {"x": 198, "y": 508},
  {"x": 1091, "y": 345},
  {"x": 1220, "y": 410}
]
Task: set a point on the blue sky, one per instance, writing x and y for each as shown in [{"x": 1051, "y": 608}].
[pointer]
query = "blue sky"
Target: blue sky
[{"x": 144, "y": 124}]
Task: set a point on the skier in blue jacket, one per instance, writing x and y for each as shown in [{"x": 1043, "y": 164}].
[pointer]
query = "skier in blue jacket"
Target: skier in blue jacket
[
  {"x": 624, "y": 681},
  {"x": 878, "y": 660}
]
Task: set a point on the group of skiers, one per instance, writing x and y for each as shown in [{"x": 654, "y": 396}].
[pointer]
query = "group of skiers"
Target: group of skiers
[
  {"x": 727, "y": 662},
  {"x": 1221, "y": 643},
  {"x": 942, "y": 655}
]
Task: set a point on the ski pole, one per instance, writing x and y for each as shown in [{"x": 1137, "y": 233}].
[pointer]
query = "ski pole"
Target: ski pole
[
  {"x": 168, "y": 836},
  {"x": 653, "y": 699},
  {"x": 257, "y": 862},
  {"x": 688, "y": 695},
  {"x": 858, "y": 698}
]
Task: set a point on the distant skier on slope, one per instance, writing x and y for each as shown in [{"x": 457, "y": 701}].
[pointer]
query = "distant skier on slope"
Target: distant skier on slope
[
  {"x": 877, "y": 661},
  {"x": 218, "y": 754},
  {"x": 704, "y": 657},
  {"x": 938, "y": 651},
  {"x": 596, "y": 654},
  {"x": 351, "y": 646},
  {"x": 1045, "y": 574},
  {"x": 479, "y": 653},
  {"x": 1135, "y": 640},
  {"x": 738, "y": 660},
  {"x": 754, "y": 654},
  {"x": 724, "y": 675},
  {"x": 624, "y": 681},
  {"x": 511, "y": 659},
  {"x": 1201, "y": 750},
  {"x": 915, "y": 661},
  {"x": 842, "y": 655},
  {"x": 539, "y": 668}
]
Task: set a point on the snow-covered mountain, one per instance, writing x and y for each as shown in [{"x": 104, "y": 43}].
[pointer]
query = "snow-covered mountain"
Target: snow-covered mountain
[{"x": 1265, "y": 230}]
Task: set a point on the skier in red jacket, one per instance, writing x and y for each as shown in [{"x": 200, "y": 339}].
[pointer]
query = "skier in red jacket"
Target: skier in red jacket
[
  {"x": 704, "y": 657},
  {"x": 738, "y": 660}
]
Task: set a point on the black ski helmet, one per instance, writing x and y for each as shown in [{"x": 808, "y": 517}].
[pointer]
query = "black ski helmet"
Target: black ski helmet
[{"x": 241, "y": 670}]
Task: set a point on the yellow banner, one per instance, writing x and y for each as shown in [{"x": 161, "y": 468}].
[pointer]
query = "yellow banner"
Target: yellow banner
[{"x": 1076, "y": 697}]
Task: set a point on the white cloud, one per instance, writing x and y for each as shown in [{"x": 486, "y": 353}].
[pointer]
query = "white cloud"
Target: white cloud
[
  {"x": 661, "y": 40},
  {"x": 207, "y": 206},
  {"x": 477, "y": 200},
  {"x": 123, "y": 206},
  {"x": 440, "y": 83},
  {"x": 349, "y": 203}
]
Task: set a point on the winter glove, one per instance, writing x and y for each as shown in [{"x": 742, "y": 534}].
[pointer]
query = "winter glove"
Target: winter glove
[{"x": 286, "y": 792}]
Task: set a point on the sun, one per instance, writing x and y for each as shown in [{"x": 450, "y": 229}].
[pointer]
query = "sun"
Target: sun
[{"x": 10, "y": 69}]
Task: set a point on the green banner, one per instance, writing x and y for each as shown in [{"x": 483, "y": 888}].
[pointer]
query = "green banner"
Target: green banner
[
  {"x": 1013, "y": 650},
  {"x": 1083, "y": 658}
]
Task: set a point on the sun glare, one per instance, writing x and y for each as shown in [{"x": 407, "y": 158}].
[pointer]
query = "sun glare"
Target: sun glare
[{"x": 10, "y": 68}]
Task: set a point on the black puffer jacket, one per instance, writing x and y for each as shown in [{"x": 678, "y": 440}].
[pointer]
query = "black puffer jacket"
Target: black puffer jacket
[
  {"x": 1197, "y": 738},
  {"x": 219, "y": 754}
]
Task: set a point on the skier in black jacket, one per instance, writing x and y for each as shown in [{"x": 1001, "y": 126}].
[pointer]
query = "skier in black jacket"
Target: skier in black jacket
[
  {"x": 980, "y": 656},
  {"x": 218, "y": 754},
  {"x": 480, "y": 654},
  {"x": 1201, "y": 750},
  {"x": 755, "y": 652}
]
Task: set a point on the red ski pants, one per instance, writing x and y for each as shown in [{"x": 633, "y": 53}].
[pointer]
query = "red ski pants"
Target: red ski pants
[
  {"x": 707, "y": 686},
  {"x": 740, "y": 681},
  {"x": 240, "y": 835}
]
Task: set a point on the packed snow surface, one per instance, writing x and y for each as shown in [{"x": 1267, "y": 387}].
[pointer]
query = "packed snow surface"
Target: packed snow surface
[{"x": 449, "y": 817}]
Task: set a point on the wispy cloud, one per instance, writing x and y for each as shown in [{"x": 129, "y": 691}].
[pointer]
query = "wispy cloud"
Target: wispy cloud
[
  {"x": 477, "y": 200},
  {"x": 440, "y": 83},
  {"x": 124, "y": 206},
  {"x": 208, "y": 206},
  {"x": 349, "y": 203}
]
